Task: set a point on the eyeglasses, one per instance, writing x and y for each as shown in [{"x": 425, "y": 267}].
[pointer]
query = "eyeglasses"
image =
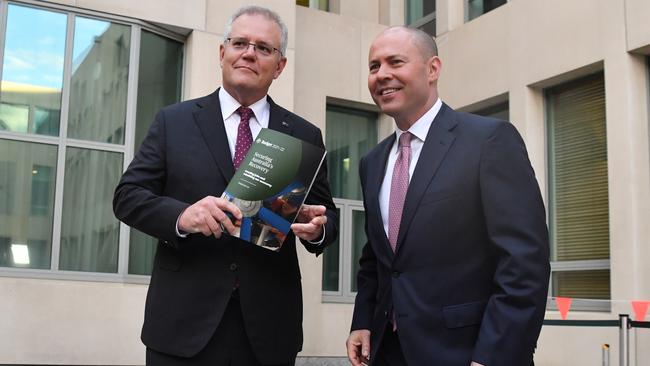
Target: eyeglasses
[{"x": 242, "y": 44}]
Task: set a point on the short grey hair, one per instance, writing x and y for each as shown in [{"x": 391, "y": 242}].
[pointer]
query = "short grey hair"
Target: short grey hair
[{"x": 269, "y": 14}]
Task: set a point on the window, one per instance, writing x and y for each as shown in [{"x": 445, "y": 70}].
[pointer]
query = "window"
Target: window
[
  {"x": 421, "y": 14},
  {"x": 578, "y": 189},
  {"x": 159, "y": 84},
  {"x": 69, "y": 118},
  {"x": 499, "y": 111},
  {"x": 314, "y": 4},
  {"x": 350, "y": 134},
  {"x": 476, "y": 8}
]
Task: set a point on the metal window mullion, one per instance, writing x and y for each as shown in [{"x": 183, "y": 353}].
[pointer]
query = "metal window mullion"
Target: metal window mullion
[
  {"x": 424, "y": 20},
  {"x": 580, "y": 265},
  {"x": 94, "y": 145},
  {"x": 63, "y": 131},
  {"x": 347, "y": 266},
  {"x": 3, "y": 32},
  {"x": 129, "y": 137},
  {"x": 90, "y": 13}
]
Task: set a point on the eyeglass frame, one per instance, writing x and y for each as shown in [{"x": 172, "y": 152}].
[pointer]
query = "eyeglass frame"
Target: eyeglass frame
[{"x": 255, "y": 46}]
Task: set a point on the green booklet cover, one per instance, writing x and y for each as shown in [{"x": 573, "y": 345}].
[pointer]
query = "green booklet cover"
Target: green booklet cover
[{"x": 271, "y": 185}]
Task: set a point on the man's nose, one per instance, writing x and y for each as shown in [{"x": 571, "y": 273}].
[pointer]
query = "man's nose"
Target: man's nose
[
  {"x": 383, "y": 72},
  {"x": 250, "y": 50}
]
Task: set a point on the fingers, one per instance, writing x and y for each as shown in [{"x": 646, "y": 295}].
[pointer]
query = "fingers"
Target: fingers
[
  {"x": 310, "y": 231},
  {"x": 358, "y": 346},
  {"x": 208, "y": 216},
  {"x": 310, "y": 222},
  {"x": 309, "y": 212}
]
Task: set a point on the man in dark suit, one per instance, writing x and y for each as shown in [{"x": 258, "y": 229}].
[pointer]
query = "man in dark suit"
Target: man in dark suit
[
  {"x": 455, "y": 271},
  {"x": 214, "y": 299}
]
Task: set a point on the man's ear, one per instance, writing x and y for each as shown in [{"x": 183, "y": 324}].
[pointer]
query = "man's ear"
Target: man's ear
[
  {"x": 434, "y": 67},
  {"x": 281, "y": 64},
  {"x": 222, "y": 50}
]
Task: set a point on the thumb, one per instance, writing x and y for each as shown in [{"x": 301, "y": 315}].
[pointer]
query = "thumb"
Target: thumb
[{"x": 365, "y": 346}]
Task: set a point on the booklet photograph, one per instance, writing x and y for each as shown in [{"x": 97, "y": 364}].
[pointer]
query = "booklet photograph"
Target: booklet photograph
[{"x": 271, "y": 185}]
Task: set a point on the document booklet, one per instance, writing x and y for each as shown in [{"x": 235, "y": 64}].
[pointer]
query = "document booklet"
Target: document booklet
[{"x": 271, "y": 185}]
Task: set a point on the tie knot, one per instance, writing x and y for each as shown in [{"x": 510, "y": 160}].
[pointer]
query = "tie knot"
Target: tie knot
[
  {"x": 245, "y": 113},
  {"x": 405, "y": 139}
]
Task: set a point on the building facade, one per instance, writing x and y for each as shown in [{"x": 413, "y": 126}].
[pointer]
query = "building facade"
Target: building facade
[{"x": 81, "y": 80}]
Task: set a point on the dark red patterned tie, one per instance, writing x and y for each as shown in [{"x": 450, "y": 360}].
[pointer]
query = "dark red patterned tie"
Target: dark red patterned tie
[
  {"x": 398, "y": 187},
  {"x": 244, "y": 136}
]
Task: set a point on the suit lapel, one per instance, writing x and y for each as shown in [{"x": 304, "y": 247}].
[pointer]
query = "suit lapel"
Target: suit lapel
[
  {"x": 439, "y": 140},
  {"x": 376, "y": 171},
  {"x": 278, "y": 118},
  {"x": 210, "y": 123}
]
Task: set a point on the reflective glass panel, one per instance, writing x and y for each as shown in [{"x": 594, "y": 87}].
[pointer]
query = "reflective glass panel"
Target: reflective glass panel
[
  {"x": 27, "y": 179},
  {"x": 350, "y": 134},
  {"x": 331, "y": 262},
  {"x": 586, "y": 284},
  {"x": 89, "y": 230},
  {"x": 417, "y": 9},
  {"x": 159, "y": 84},
  {"x": 359, "y": 239},
  {"x": 476, "y": 8},
  {"x": 32, "y": 71},
  {"x": 100, "y": 71}
]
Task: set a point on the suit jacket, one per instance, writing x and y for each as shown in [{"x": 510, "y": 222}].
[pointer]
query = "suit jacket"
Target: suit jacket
[
  {"x": 469, "y": 279},
  {"x": 184, "y": 158}
]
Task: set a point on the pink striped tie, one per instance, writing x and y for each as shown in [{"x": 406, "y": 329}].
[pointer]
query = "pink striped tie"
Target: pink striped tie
[
  {"x": 398, "y": 187},
  {"x": 244, "y": 136}
]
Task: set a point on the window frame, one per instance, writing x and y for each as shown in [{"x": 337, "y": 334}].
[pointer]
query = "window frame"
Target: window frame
[
  {"x": 418, "y": 23},
  {"x": 594, "y": 305},
  {"x": 62, "y": 142},
  {"x": 344, "y": 294},
  {"x": 466, "y": 6}
]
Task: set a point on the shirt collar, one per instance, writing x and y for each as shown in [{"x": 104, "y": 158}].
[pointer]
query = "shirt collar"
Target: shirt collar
[
  {"x": 420, "y": 128},
  {"x": 229, "y": 106}
]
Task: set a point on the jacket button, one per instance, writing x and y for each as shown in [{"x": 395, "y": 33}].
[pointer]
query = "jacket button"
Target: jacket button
[
  {"x": 233, "y": 266},
  {"x": 396, "y": 274}
]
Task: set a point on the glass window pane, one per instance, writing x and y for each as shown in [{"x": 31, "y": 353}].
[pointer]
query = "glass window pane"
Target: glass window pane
[
  {"x": 331, "y": 262},
  {"x": 578, "y": 184},
  {"x": 429, "y": 27},
  {"x": 159, "y": 84},
  {"x": 159, "y": 79},
  {"x": 418, "y": 9},
  {"x": 27, "y": 179},
  {"x": 32, "y": 70},
  {"x": 100, "y": 71},
  {"x": 476, "y": 8},
  {"x": 499, "y": 111},
  {"x": 359, "y": 240},
  {"x": 591, "y": 284},
  {"x": 89, "y": 230},
  {"x": 350, "y": 135}
]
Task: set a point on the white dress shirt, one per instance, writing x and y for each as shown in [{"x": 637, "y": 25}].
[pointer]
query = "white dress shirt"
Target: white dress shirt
[
  {"x": 260, "y": 119},
  {"x": 419, "y": 130},
  {"x": 229, "y": 105}
]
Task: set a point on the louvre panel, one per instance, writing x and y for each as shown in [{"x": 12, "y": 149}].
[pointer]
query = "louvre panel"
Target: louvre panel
[
  {"x": 582, "y": 284},
  {"x": 579, "y": 181}
]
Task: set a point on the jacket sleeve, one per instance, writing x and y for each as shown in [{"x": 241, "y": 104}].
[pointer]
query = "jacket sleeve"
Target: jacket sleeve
[
  {"x": 367, "y": 282},
  {"x": 516, "y": 224},
  {"x": 320, "y": 194}
]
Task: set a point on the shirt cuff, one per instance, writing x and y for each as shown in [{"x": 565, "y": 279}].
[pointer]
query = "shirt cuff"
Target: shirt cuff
[{"x": 178, "y": 232}]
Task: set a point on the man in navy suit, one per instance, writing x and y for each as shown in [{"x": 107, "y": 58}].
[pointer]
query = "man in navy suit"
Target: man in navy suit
[
  {"x": 455, "y": 271},
  {"x": 214, "y": 299}
]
